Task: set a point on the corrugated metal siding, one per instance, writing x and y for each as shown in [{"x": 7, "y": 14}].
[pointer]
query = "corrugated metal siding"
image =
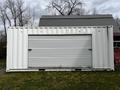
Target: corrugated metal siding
[
  {"x": 102, "y": 44},
  {"x": 101, "y": 48},
  {"x": 60, "y": 51},
  {"x": 17, "y": 44}
]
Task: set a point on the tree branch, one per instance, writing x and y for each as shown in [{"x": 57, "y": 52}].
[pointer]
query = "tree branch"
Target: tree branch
[{"x": 59, "y": 10}]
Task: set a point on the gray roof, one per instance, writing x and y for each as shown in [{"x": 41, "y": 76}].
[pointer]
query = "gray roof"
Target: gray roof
[{"x": 85, "y": 20}]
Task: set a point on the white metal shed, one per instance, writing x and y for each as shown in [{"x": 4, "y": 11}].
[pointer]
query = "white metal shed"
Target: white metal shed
[{"x": 60, "y": 48}]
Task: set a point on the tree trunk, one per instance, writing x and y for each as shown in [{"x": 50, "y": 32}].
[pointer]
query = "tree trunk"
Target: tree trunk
[{"x": 5, "y": 28}]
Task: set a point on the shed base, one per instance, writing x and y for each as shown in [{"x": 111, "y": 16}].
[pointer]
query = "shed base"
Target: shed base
[{"x": 82, "y": 69}]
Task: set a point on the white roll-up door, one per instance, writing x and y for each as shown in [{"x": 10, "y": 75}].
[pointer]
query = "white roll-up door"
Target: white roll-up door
[{"x": 68, "y": 51}]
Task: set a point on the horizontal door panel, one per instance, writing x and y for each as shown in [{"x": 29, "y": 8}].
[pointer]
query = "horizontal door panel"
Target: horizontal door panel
[
  {"x": 60, "y": 62},
  {"x": 59, "y": 44},
  {"x": 80, "y": 37},
  {"x": 59, "y": 53}
]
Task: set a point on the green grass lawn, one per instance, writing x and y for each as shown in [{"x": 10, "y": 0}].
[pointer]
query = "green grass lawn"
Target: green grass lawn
[{"x": 59, "y": 80}]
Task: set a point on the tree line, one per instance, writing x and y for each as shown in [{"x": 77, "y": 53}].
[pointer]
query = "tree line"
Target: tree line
[{"x": 13, "y": 13}]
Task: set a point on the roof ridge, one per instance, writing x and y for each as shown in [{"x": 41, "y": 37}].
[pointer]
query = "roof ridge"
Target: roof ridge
[{"x": 75, "y": 16}]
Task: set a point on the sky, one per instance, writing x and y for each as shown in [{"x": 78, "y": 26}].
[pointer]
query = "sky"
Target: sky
[
  {"x": 106, "y": 6},
  {"x": 102, "y": 6}
]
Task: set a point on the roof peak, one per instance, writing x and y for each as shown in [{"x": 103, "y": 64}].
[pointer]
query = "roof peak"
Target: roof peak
[{"x": 76, "y": 16}]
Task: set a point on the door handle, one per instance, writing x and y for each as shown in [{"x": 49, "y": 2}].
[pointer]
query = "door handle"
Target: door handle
[
  {"x": 29, "y": 49},
  {"x": 90, "y": 49}
]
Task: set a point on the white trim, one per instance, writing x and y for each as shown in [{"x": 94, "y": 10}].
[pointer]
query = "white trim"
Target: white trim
[{"x": 111, "y": 56}]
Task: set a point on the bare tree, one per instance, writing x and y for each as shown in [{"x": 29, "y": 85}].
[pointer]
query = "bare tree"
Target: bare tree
[
  {"x": 18, "y": 12},
  {"x": 117, "y": 21},
  {"x": 19, "y": 5},
  {"x": 3, "y": 34},
  {"x": 94, "y": 11},
  {"x": 66, "y": 7},
  {"x": 13, "y": 9},
  {"x": 33, "y": 15},
  {"x": 8, "y": 18},
  {"x": 3, "y": 17},
  {"x": 12, "y": 13}
]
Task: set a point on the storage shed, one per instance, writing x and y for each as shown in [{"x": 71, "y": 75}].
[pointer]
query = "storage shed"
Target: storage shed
[{"x": 65, "y": 43}]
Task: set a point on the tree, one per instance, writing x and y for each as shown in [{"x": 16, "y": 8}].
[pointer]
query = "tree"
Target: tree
[
  {"x": 117, "y": 21},
  {"x": 19, "y": 12},
  {"x": 94, "y": 11},
  {"x": 13, "y": 13},
  {"x": 13, "y": 10},
  {"x": 23, "y": 13},
  {"x": 3, "y": 16},
  {"x": 66, "y": 7}
]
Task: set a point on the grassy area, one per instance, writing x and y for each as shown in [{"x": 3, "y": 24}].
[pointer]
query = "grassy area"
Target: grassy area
[{"x": 60, "y": 80}]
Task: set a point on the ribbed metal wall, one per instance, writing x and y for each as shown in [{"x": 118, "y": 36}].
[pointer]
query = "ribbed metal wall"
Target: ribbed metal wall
[
  {"x": 102, "y": 44},
  {"x": 68, "y": 51}
]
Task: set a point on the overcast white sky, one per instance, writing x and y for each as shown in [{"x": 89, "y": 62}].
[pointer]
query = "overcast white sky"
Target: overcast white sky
[{"x": 103, "y": 6}]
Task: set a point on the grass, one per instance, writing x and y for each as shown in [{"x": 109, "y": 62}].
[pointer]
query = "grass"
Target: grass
[{"x": 59, "y": 80}]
